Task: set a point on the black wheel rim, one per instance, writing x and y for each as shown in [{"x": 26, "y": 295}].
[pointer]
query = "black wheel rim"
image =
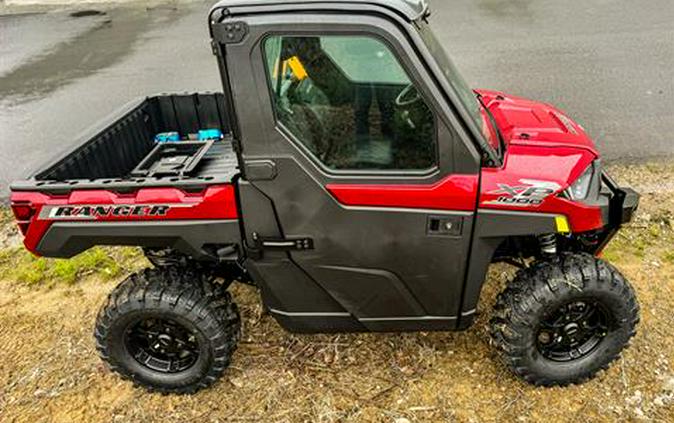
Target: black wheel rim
[
  {"x": 574, "y": 330},
  {"x": 162, "y": 345}
]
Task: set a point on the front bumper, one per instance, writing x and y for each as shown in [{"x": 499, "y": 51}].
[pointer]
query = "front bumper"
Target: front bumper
[
  {"x": 623, "y": 202},
  {"x": 619, "y": 206}
]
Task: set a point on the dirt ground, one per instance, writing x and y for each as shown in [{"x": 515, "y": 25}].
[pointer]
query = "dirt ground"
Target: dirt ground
[{"x": 49, "y": 370}]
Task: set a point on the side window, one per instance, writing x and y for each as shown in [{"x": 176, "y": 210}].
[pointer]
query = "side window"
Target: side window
[{"x": 348, "y": 100}]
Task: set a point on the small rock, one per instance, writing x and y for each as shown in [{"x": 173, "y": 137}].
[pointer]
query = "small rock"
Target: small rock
[
  {"x": 401, "y": 420},
  {"x": 237, "y": 382},
  {"x": 635, "y": 399},
  {"x": 669, "y": 385},
  {"x": 639, "y": 413}
]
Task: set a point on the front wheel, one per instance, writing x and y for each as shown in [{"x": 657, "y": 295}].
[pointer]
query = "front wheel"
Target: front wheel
[
  {"x": 561, "y": 321},
  {"x": 170, "y": 329}
]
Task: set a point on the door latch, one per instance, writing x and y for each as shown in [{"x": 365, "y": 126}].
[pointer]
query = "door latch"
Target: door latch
[
  {"x": 444, "y": 225},
  {"x": 260, "y": 244}
]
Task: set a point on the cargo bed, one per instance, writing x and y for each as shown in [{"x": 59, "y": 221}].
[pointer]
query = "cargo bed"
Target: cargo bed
[
  {"x": 106, "y": 155},
  {"x": 105, "y": 190}
]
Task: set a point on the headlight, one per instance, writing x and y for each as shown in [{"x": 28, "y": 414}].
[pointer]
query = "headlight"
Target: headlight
[{"x": 581, "y": 188}]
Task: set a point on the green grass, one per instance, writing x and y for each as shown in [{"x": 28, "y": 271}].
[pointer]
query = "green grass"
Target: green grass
[
  {"x": 6, "y": 216},
  {"x": 655, "y": 239},
  {"x": 610, "y": 254},
  {"x": 669, "y": 256},
  {"x": 20, "y": 266}
]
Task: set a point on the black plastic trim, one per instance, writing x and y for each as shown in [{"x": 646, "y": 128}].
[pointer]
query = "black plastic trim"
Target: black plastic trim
[
  {"x": 621, "y": 207},
  {"x": 492, "y": 227},
  {"x": 67, "y": 239},
  {"x": 403, "y": 8}
]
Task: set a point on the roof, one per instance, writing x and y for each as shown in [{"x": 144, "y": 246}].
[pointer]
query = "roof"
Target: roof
[{"x": 410, "y": 9}]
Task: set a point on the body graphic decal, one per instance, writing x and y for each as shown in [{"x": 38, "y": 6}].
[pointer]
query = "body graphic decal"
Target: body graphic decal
[
  {"x": 529, "y": 193},
  {"x": 94, "y": 211}
]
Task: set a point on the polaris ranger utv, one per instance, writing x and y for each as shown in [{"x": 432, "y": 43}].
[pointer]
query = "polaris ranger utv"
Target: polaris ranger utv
[{"x": 359, "y": 184}]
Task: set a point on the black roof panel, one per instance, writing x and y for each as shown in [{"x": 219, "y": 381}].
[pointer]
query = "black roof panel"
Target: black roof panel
[{"x": 411, "y": 9}]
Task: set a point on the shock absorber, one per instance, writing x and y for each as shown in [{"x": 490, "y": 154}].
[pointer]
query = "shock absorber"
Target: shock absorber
[{"x": 548, "y": 244}]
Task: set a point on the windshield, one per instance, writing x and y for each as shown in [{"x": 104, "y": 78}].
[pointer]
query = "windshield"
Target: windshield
[{"x": 466, "y": 95}]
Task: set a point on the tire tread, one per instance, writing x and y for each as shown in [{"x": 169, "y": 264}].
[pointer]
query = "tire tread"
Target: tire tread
[
  {"x": 534, "y": 289},
  {"x": 185, "y": 291}
]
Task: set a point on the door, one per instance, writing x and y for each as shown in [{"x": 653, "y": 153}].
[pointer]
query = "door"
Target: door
[{"x": 352, "y": 166}]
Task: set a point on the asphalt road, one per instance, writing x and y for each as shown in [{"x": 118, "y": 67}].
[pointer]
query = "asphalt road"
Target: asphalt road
[{"x": 608, "y": 63}]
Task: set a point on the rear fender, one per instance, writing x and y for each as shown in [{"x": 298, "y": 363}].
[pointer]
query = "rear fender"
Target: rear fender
[{"x": 65, "y": 225}]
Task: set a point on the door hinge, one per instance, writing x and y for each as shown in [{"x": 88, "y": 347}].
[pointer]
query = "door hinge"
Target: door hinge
[
  {"x": 215, "y": 48},
  {"x": 260, "y": 244},
  {"x": 230, "y": 32}
]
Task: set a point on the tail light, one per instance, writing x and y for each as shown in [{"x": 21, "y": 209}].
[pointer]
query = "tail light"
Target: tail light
[{"x": 23, "y": 213}]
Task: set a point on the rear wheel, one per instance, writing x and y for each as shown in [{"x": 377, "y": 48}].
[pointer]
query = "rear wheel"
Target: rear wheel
[
  {"x": 170, "y": 329},
  {"x": 561, "y": 321}
]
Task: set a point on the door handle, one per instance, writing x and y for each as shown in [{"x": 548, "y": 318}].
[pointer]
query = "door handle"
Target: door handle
[
  {"x": 260, "y": 244},
  {"x": 444, "y": 225}
]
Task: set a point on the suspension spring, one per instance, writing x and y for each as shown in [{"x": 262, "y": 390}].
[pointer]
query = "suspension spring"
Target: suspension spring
[{"x": 548, "y": 244}]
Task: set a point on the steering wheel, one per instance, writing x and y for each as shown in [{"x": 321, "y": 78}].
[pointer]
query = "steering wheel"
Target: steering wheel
[{"x": 409, "y": 95}]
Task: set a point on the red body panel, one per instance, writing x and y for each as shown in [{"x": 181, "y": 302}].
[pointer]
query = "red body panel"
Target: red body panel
[
  {"x": 556, "y": 168},
  {"x": 527, "y": 122},
  {"x": 215, "y": 202},
  {"x": 456, "y": 192},
  {"x": 544, "y": 148}
]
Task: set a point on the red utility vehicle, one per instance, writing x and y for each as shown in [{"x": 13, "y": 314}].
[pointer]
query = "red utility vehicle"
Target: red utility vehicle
[{"x": 360, "y": 184}]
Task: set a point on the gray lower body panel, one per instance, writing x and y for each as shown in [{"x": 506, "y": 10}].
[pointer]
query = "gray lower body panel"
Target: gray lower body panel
[
  {"x": 66, "y": 239},
  {"x": 492, "y": 227},
  {"x": 319, "y": 322}
]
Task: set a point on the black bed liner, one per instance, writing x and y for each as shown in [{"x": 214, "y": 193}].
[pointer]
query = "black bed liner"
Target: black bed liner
[{"x": 105, "y": 156}]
